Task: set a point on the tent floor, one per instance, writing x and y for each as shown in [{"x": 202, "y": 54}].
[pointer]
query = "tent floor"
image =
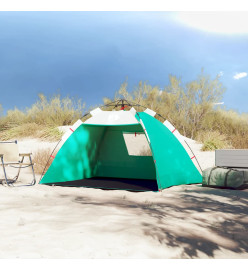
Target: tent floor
[{"x": 113, "y": 183}]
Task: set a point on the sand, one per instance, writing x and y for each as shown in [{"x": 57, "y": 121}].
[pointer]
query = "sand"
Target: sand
[{"x": 186, "y": 221}]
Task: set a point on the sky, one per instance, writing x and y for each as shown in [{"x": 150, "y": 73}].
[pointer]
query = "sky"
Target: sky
[{"x": 88, "y": 55}]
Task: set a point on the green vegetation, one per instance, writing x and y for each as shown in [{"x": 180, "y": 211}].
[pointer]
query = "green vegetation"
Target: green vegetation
[
  {"x": 213, "y": 140},
  {"x": 40, "y": 159},
  {"x": 31, "y": 130},
  {"x": 42, "y": 119},
  {"x": 191, "y": 108},
  {"x": 188, "y": 106}
]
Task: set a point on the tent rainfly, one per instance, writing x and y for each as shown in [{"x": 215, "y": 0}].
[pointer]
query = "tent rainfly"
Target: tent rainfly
[{"x": 95, "y": 154}]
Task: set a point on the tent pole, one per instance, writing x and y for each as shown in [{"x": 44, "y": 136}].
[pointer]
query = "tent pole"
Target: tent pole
[{"x": 194, "y": 155}]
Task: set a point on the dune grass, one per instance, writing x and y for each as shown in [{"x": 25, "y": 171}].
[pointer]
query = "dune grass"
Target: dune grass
[
  {"x": 188, "y": 106},
  {"x": 31, "y": 130},
  {"x": 213, "y": 140},
  {"x": 191, "y": 108},
  {"x": 42, "y": 119},
  {"x": 40, "y": 158}
]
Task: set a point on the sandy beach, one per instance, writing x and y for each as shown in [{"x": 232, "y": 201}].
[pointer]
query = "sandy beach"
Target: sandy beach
[
  {"x": 103, "y": 95},
  {"x": 186, "y": 221}
]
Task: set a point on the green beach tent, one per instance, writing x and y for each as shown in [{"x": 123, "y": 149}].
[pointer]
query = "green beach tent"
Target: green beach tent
[{"x": 95, "y": 154}]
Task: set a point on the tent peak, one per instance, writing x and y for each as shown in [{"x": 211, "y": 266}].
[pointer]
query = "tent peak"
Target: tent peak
[{"x": 121, "y": 117}]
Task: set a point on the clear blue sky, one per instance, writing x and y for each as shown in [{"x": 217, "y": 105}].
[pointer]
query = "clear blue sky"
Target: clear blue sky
[{"x": 88, "y": 55}]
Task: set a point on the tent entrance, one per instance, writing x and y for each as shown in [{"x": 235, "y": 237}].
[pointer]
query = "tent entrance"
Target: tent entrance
[
  {"x": 98, "y": 156},
  {"x": 114, "y": 159},
  {"x": 120, "y": 162}
]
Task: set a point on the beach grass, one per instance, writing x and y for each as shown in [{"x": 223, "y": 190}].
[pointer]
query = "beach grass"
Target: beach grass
[
  {"x": 32, "y": 130},
  {"x": 42, "y": 160}
]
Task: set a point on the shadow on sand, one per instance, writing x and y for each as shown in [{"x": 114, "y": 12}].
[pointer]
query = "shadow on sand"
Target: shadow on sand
[{"x": 196, "y": 220}]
